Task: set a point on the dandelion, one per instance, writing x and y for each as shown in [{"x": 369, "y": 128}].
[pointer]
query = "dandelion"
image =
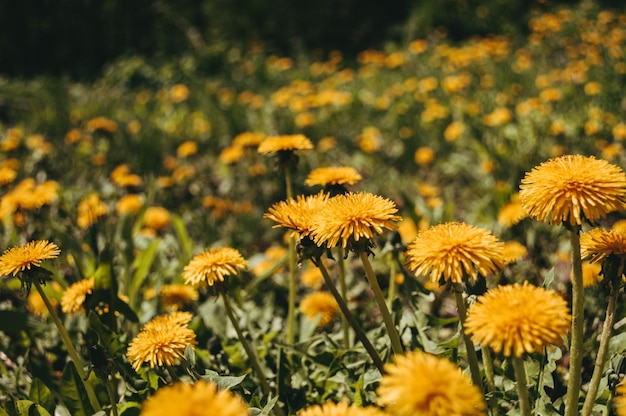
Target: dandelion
[
  {"x": 419, "y": 383},
  {"x": 18, "y": 259},
  {"x": 156, "y": 218},
  {"x": 591, "y": 273},
  {"x": 336, "y": 175},
  {"x": 90, "y": 210},
  {"x": 202, "y": 398},
  {"x": 512, "y": 213},
  {"x": 513, "y": 251},
  {"x": 187, "y": 149},
  {"x": 297, "y": 214},
  {"x": 162, "y": 341},
  {"x": 175, "y": 297},
  {"x": 342, "y": 408},
  {"x": 452, "y": 251},
  {"x": 599, "y": 245},
  {"x": 129, "y": 204},
  {"x": 620, "y": 399},
  {"x": 321, "y": 304},
  {"x": 284, "y": 143},
  {"x": 571, "y": 188},
  {"x": 211, "y": 266},
  {"x": 424, "y": 155},
  {"x": 74, "y": 296}
]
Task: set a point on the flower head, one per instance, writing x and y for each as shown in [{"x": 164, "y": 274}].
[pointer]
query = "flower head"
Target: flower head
[
  {"x": 75, "y": 295},
  {"x": 213, "y": 265},
  {"x": 199, "y": 399},
  {"x": 162, "y": 341},
  {"x": 418, "y": 383},
  {"x": 342, "y": 408},
  {"x": 599, "y": 244},
  {"x": 322, "y": 304},
  {"x": 156, "y": 218},
  {"x": 348, "y": 218},
  {"x": 451, "y": 251},
  {"x": 572, "y": 188},
  {"x": 334, "y": 175},
  {"x": 291, "y": 142},
  {"x": 515, "y": 319},
  {"x": 89, "y": 210},
  {"x": 297, "y": 214},
  {"x": 620, "y": 399},
  {"x": 17, "y": 259},
  {"x": 176, "y": 296}
]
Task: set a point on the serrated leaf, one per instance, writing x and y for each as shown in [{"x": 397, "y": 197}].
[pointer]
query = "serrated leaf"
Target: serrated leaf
[
  {"x": 73, "y": 392},
  {"x": 41, "y": 394}
]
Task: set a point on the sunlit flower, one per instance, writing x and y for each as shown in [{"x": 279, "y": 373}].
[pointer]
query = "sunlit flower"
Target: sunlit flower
[
  {"x": 129, "y": 204},
  {"x": 90, "y": 210},
  {"x": 321, "y": 304},
  {"x": 273, "y": 144},
  {"x": 598, "y": 244},
  {"x": 175, "y": 297},
  {"x": 453, "y": 131},
  {"x": 297, "y": 214},
  {"x": 17, "y": 259},
  {"x": 231, "y": 154},
  {"x": 179, "y": 93},
  {"x": 512, "y": 213},
  {"x": 162, "y": 341},
  {"x": 334, "y": 175},
  {"x": 452, "y": 251},
  {"x": 202, "y": 398},
  {"x": 419, "y": 383},
  {"x": 312, "y": 277},
  {"x": 74, "y": 296},
  {"x": 7, "y": 175},
  {"x": 37, "y": 195},
  {"x": 515, "y": 319},
  {"x": 513, "y": 251},
  {"x": 351, "y": 217},
  {"x": 572, "y": 188},
  {"x": 156, "y": 218},
  {"x": 591, "y": 273},
  {"x": 342, "y": 408},
  {"x": 213, "y": 265}
]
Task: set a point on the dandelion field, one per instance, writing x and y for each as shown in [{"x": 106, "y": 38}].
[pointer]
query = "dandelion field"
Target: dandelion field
[{"x": 433, "y": 228}]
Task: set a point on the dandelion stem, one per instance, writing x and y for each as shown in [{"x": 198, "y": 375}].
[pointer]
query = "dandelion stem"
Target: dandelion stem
[
  {"x": 396, "y": 344},
  {"x": 472, "y": 358},
  {"x": 575, "y": 366},
  {"x": 603, "y": 348},
  {"x": 291, "y": 307},
  {"x": 344, "y": 294},
  {"x": 522, "y": 387},
  {"x": 489, "y": 379},
  {"x": 91, "y": 394},
  {"x": 360, "y": 334},
  {"x": 391, "y": 294},
  {"x": 254, "y": 361}
]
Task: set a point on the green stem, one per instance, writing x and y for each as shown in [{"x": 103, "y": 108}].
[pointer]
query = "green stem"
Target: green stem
[
  {"x": 472, "y": 358},
  {"x": 91, "y": 394},
  {"x": 291, "y": 307},
  {"x": 396, "y": 344},
  {"x": 391, "y": 294},
  {"x": 603, "y": 348},
  {"x": 344, "y": 294},
  {"x": 489, "y": 379},
  {"x": 578, "y": 321},
  {"x": 522, "y": 385},
  {"x": 360, "y": 334}
]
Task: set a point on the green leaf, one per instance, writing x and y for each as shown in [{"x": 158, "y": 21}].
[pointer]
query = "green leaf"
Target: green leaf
[
  {"x": 142, "y": 265},
  {"x": 223, "y": 382},
  {"x": 73, "y": 392},
  {"x": 41, "y": 394},
  {"x": 548, "y": 279},
  {"x": 30, "y": 408},
  {"x": 186, "y": 245},
  {"x": 129, "y": 409}
]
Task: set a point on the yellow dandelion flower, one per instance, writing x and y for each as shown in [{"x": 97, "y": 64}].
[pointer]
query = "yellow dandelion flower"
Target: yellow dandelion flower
[
  {"x": 213, "y": 265},
  {"x": 342, "y": 408},
  {"x": 297, "y": 214},
  {"x": 36, "y": 304},
  {"x": 321, "y": 304},
  {"x": 17, "y": 259},
  {"x": 591, "y": 273},
  {"x": 187, "y": 149},
  {"x": 352, "y": 217},
  {"x": 39, "y": 195},
  {"x": 7, "y": 175},
  {"x": 515, "y": 319},
  {"x": 498, "y": 117},
  {"x": 572, "y": 188},
  {"x": 513, "y": 251},
  {"x": 175, "y": 297},
  {"x": 451, "y": 251},
  {"x": 619, "y": 401},
  {"x": 248, "y": 138},
  {"x": 90, "y": 210},
  {"x": 335, "y": 175},
  {"x": 424, "y": 155},
  {"x": 291, "y": 142},
  {"x": 74, "y": 296},
  {"x": 511, "y": 213},
  {"x": 231, "y": 154},
  {"x": 599, "y": 244},
  {"x": 103, "y": 124},
  {"x": 419, "y": 383},
  {"x": 312, "y": 277},
  {"x": 129, "y": 204},
  {"x": 156, "y": 218},
  {"x": 202, "y": 398},
  {"x": 161, "y": 342}
]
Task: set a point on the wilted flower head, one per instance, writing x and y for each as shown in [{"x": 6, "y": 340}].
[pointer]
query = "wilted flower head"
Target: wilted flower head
[
  {"x": 518, "y": 319},
  {"x": 342, "y": 408},
  {"x": 333, "y": 175},
  {"x": 572, "y": 188},
  {"x": 211, "y": 266},
  {"x": 452, "y": 251},
  {"x": 297, "y": 214},
  {"x": 418, "y": 383},
  {"x": 162, "y": 341},
  {"x": 351, "y": 218},
  {"x": 75, "y": 295},
  {"x": 321, "y": 304}
]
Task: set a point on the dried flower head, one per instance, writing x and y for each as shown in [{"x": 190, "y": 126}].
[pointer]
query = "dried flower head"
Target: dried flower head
[
  {"x": 353, "y": 217},
  {"x": 297, "y": 214},
  {"x": 74, "y": 296},
  {"x": 452, "y": 251},
  {"x": 515, "y": 319},
  {"x": 334, "y": 175},
  {"x": 18, "y": 259},
  {"x": 418, "y": 383},
  {"x": 572, "y": 188},
  {"x": 321, "y": 304},
  {"x": 292, "y": 142},
  {"x": 162, "y": 341},
  {"x": 202, "y": 398},
  {"x": 342, "y": 408},
  {"x": 211, "y": 266}
]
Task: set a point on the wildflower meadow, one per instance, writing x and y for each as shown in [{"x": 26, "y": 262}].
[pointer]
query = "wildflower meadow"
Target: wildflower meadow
[{"x": 436, "y": 227}]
